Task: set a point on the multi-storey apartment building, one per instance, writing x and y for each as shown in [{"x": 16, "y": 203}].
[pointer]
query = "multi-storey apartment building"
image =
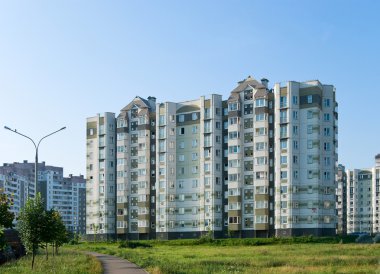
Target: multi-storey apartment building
[
  {"x": 305, "y": 158},
  {"x": 76, "y": 185},
  {"x": 259, "y": 164},
  {"x": 376, "y": 195},
  {"x": 136, "y": 169},
  {"x": 15, "y": 186},
  {"x": 250, "y": 160},
  {"x": 17, "y": 181},
  {"x": 101, "y": 176},
  {"x": 359, "y": 200},
  {"x": 341, "y": 200},
  {"x": 189, "y": 168}
]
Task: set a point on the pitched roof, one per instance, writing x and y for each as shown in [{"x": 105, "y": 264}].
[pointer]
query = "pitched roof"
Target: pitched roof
[{"x": 250, "y": 81}]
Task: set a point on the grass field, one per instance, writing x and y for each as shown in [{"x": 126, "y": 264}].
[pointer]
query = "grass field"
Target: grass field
[
  {"x": 67, "y": 262},
  {"x": 169, "y": 257}
]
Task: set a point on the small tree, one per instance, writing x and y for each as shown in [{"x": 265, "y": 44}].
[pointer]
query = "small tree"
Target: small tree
[
  {"x": 48, "y": 229},
  {"x": 60, "y": 233},
  {"x": 31, "y": 223}
]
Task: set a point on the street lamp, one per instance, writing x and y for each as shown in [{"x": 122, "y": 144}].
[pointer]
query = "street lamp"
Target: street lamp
[{"x": 36, "y": 147}]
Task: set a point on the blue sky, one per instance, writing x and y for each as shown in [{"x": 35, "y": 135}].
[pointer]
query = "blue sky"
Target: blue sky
[{"x": 63, "y": 61}]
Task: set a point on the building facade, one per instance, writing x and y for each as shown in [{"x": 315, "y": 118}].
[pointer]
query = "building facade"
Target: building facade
[
  {"x": 359, "y": 200},
  {"x": 341, "y": 200},
  {"x": 250, "y": 160},
  {"x": 376, "y": 195},
  {"x": 76, "y": 185},
  {"x": 305, "y": 158},
  {"x": 189, "y": 168},
  {"x": 261, "y": 163},
  {"x": 135, "y": 169},
  {"x": 101, "y": 176}
]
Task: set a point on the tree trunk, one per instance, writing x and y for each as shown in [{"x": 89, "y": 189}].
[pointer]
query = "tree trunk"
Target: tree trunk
[
  {"x": 52, "y": 245},
  {"x": 34, "y": 254},
  {"x": 47, "y": 251}
]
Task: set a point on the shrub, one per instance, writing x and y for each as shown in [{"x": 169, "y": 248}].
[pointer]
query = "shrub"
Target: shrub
[
  {"x": 376, "y": 239},
  {"x": 364, "y": 239},
  {"x": 133, "y": 244}
]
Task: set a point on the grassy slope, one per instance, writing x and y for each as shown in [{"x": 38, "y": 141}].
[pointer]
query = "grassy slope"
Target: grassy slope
[
  {"x": 66, "y": 262},
  {"x": 286, "y": 258}
]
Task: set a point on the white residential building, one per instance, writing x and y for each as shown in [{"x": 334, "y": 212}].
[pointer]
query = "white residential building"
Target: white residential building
[{"x": 101, "y": 176}]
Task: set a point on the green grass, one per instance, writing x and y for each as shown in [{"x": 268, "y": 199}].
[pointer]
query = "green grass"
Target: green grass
[
  {"x": 68, "y": 261},
  {"x": 222, "y": 257}
]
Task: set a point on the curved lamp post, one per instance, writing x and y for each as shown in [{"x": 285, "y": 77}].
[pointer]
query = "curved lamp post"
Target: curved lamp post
[{"x": 36, "y": 147}]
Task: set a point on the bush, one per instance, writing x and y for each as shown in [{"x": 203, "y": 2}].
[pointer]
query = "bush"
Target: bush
[
  {"x": 133, "y": 244},
  {"x": 376, "y": 239},
  {"x": 364, "y": 239}
]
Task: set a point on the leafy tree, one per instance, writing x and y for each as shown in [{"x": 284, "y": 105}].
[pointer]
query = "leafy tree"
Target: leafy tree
[
  {"x": 60, "y": 235},
  {"x": 6, "y": 217},
  {"x": 31, "y": 222},
  {"x": 48, "y": 229}
]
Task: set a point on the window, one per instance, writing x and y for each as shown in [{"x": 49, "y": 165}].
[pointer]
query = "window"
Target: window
[
  {"x": 310, "y": 159},
  {"x": 309, "y": 114},
  {"x": 260, "y": 117},
  {"x": 326, "y": 117},
  {"x": 261, "y": 160},
  {"x": 283, "y": 160},
  {"x": 162, "y": 119},
  {"x": 194, "y": 116},
  {"x": 182, "y": 144},
  {"x": 295, "y": 130},
  {"x": 310, "y": 99},
  {"x": 283, "y": 144},
  {"x": 194, "y": 169},
  {"x": 233, "y": 135},
  {"x": 327, "y": 161},
  {"x": 295, "y": 100},
  {"x": 283, "y": 131},
  {"x": 326, "y": 102},
  {"x": 309, "y": 144},
  {"x": 260, "y": 102},
  {"x": 233, "y": 121},
  {"x": 326, "y": 131},
  {"x": 217, "y": 125},
  {"x": 181, "y": 131},
  {"x": 181, "y": 118},
  {"x": 283, "y": 174},
  {"x": 233, "y": 106},
  {"x": 194, "y": 156},
  {"x": 309, "y": 129},
  {"x": 234, "y": 149},
  {"x": 194, "y": 143},
  {"x": 234, "y": 220},
  {"x": 327, "y": 147},
  {"x": 181, "y": 158},
  {"x": 295, "y": 144},
  {"x": 295, "y": 174},
  {"x": 261, "y": 146},
  {"x": 283, "y": 102},
  {"x": 194, "y": 129},
  {"x": 295, "y": 115},
  {"x": 295, "y": 159}
]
